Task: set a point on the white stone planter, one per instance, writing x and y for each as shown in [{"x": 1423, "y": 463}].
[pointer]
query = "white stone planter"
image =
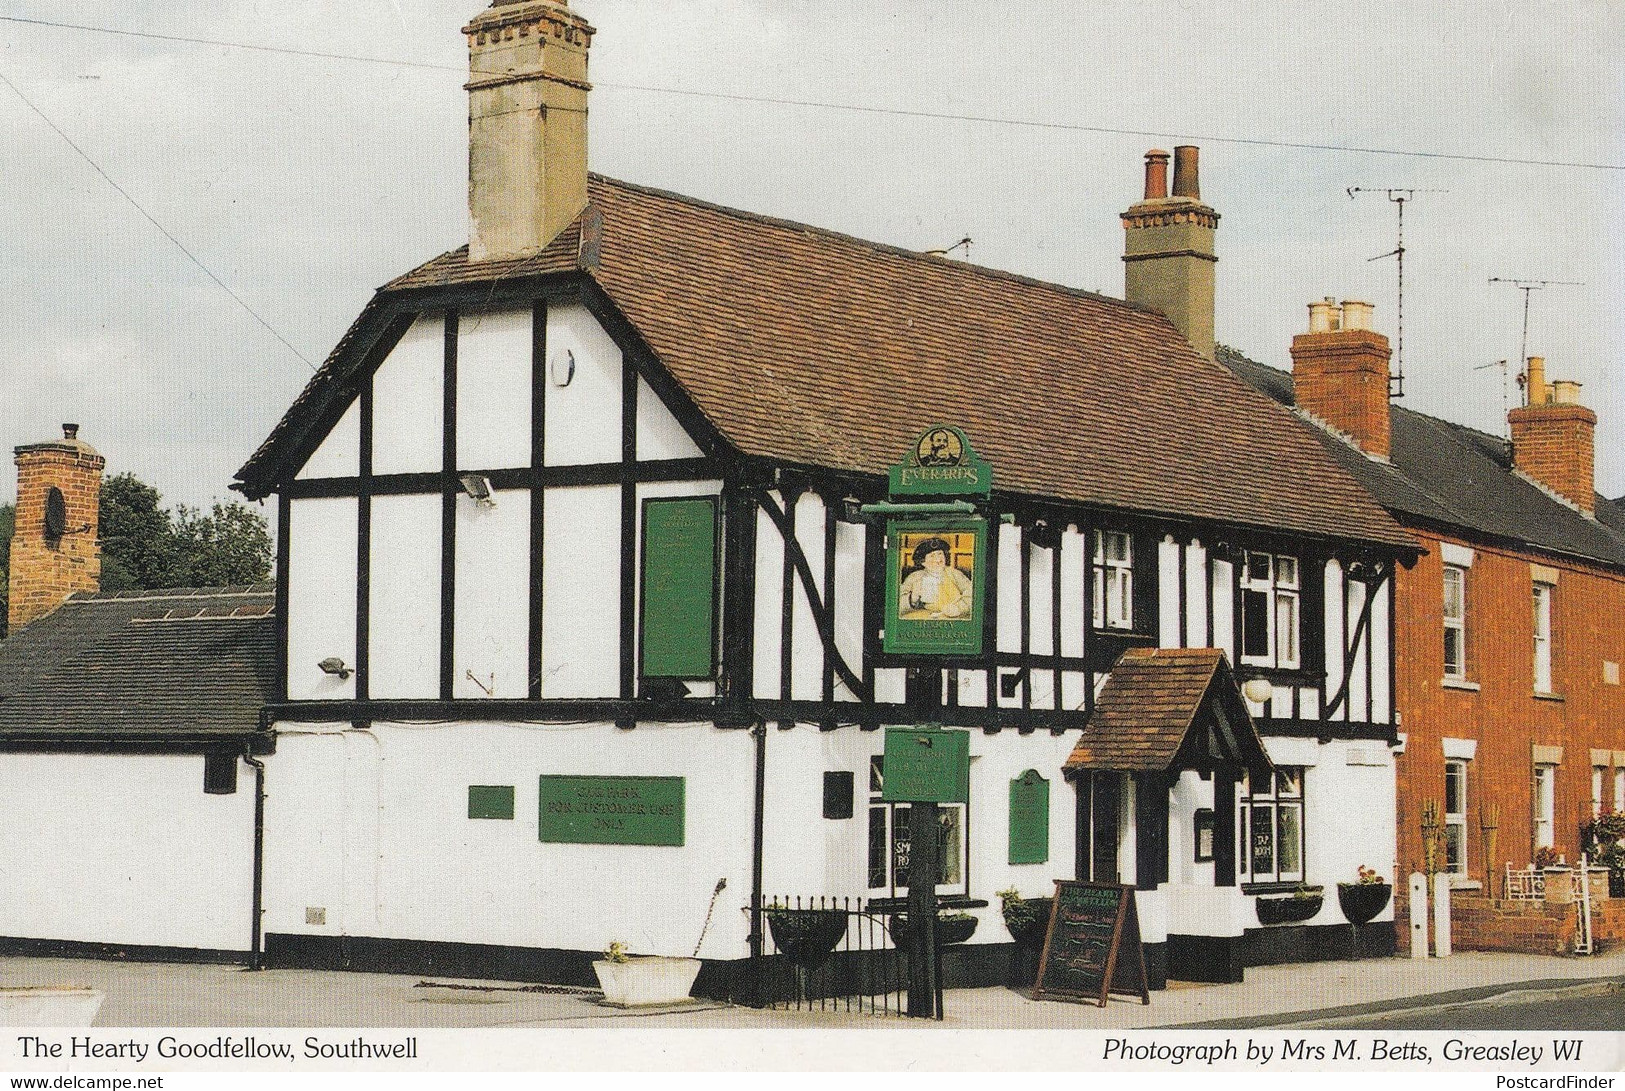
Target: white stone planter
[
  {"x": 648, "y": 981},
  {"x": 48, "y": 1006}
]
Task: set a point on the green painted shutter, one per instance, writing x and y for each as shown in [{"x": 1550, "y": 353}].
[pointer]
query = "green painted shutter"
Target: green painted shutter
[
  {"x": 1029, "y": 819},
  {"x": 678, "y": 627}
]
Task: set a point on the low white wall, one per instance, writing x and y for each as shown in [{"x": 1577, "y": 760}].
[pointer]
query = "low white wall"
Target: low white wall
[{"x": 124, "y": 849}]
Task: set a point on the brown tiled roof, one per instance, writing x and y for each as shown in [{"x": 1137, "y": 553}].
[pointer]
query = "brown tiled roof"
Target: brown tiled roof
[
  {"x": 1148, "y": 706},
  {"x": 810, "y": 347}
]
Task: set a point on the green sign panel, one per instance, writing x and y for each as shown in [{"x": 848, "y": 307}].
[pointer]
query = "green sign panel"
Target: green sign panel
[
  {"x": 941, "y": 463},
  {"x": 678, "y": 637},
  {"x": 612, "y": 810},
  {"x": 1029, "y": 819},
  {"x": 490, "y": 801},
  {"x": 926, "y": 765},
  {"x": 936, "y": 570}
]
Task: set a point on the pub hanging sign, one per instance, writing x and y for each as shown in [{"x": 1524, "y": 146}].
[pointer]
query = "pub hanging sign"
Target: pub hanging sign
[{"x": 936, "y": 552}]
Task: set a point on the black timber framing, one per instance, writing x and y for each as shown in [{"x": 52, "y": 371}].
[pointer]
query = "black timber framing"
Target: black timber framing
[
  {"x": 284, "y": 530},
  {"x": 449, "y": 487},
  {"x": 538, "y": 495},
  {"x": 154, "y": 742},
  {"x": 363, "y": 545},
  {"x": 629, "y": 536}
]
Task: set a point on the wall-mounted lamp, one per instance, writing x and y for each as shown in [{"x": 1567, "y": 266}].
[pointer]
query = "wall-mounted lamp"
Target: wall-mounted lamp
[
  {"x": 1257, "y": 690},
  {"x": 334, "y": 665},
  {"x": 478, "y": 489},
  {"x": 564, "y": 368}
]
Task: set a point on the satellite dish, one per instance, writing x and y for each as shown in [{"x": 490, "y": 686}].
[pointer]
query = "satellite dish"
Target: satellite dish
[{"x": 56, "y": 513}]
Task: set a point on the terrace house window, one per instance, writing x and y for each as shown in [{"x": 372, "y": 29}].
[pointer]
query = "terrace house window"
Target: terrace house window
[
  {"x": 1455, "y": 622},
  {"x": 1113, "y": 603},
  {"x": 1455, "y": 816},
  {"x": 1543, "y": 637},
  {"x": 1269, "y": 610},
  {"x": 1545, "y": 806}
]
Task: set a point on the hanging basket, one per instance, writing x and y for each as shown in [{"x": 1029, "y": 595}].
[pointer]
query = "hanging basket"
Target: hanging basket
[
  {"x": 806, "y": 936},
  {"x": 950, "y": 929},
  {"x": 1290, "y": 909},
  {"x": 1028, "y": 920},
  {"x": 1361, "y": 902}
]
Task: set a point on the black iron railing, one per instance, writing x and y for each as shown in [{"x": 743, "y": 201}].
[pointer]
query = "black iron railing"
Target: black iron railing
[{"x": 827, "y": 953}]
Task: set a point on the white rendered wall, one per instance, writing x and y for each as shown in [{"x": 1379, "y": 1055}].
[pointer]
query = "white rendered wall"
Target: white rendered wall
[
  {"x": 1168, "y": 577},
  {"x": 493, "y": 389},
  {"x": 769, "y": 606},
  {"x": 849, "y": 559},
  {"x": 660, "y": 436},
  {"x": 321, "y": 596},
  {"x": 404, "y": 594},
  {"x": 807, "y": 649},
  {"x": 491, "y": 637},
  {"x": 404, "y": 861},
  {"x": 408, "y": 401},
  {"x": 1336, "y": 641},
  {"x": 339, "y": 454},
  {"x": 124, "y": 849},
  {"x": 1224, "y": 618},
  {"x": 583, "y": 419},
  {"x": 581, "y": 581},
  {"x": 1196, "y": 586},
  {"x": 1382, "y": 711}
]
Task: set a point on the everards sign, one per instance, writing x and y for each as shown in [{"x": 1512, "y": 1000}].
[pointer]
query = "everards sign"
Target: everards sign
[{"x": 936, "y": 548}]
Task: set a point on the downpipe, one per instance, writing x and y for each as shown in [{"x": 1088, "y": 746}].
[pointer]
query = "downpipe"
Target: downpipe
[{"x": 254, "y": 960}]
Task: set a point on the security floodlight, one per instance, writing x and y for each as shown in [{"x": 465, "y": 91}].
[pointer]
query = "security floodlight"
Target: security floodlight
[
  {"x": 478, "y": 488},
  {"x": 334, "y": 665}
]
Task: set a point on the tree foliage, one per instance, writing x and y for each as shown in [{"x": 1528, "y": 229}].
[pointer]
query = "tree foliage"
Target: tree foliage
[{"x": 145, "y": 546}]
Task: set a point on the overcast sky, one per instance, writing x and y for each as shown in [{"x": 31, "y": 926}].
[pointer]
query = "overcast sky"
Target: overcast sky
[{"x": 304, "y": 182}]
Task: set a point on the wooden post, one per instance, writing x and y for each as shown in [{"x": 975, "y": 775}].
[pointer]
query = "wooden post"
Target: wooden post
[{"x": 923, "y": 869}]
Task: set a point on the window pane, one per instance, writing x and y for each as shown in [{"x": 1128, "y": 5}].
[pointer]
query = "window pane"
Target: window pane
[
  {"x": 1452, "y": 593},
  {"x": 1286, "y": 571},
  {"x": 1122, "y": 599},
  {"x": 1289, "y": 781},
  {"x": 1263, "y": 828},
  {"x": 1455, "y": 848},
  {"x": 1100, "y": 549},
  {"x": 899, "y": 846},
  {"x": 1619, "y": 789},
  {"x": 1258, "y": 567},
  {"x": 1097, "y": 606},
  {"x": 877, "y": 847},
  {"x": 1454, "y": 662},
  {"x": 951, "y": 843},
  {"x": 1290, "y": 847},
  {"x": 1255, "y": 623},
  {"x": 1117, "y": 547},
  {"x": 1286, "y": 629},
  {"x": 1453, "y": 788}
]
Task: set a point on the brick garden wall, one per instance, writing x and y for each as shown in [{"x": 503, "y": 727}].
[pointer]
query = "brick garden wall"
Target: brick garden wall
[{"x": 1486, "y": 924}]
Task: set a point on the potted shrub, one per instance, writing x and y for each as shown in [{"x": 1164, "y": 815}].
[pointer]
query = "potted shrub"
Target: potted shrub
[
  {"x": 1364, "y": 898},
  {"x": 951, "y": 928},
  {"x": 1027, "y": 919},
  {"x": 637, "y": 981},
  {"x": 806, "y": 936},
  {"x": 1299, "y": 905}
]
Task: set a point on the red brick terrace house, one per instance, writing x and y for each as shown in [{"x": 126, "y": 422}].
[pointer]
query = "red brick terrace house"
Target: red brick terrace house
[{"x": 1510, "y": 628}]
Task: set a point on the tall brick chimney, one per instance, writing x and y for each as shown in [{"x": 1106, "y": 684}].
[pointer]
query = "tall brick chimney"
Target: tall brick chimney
[
  {"x": 54, "y": 546},
  {"x": 1554, "y": 438},
  {"x": 527, "y": 125},
  {"x": 1168, "y": 258},
  {"x": 1340, "y": 374}
]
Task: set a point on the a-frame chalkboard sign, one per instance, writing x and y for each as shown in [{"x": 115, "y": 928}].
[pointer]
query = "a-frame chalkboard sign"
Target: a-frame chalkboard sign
[{"x": 1092, "y": 948}]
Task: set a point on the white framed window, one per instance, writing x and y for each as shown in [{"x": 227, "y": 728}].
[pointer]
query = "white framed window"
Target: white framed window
[
  {"x": 1269, "y": 826},
  {"x": 1113, "y": 604},
  {"x": 1455, "y": 816},
  {"x": 1269, "y": 610},
  {"x": 1619, "y": 788},
  {"x": 1545, "y": 806},
  {"x": 1455, "y": 621},
  {"x": 889, "y": 838},
  {"x": 1543, "y": 637},
  {"x": 1599, "y": 777}
]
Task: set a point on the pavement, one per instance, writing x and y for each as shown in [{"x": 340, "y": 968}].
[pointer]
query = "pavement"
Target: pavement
[{"x": 1326, "y": 993}]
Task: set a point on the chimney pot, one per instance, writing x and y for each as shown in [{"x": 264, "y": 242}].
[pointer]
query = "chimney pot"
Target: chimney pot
[
  {"x": 1323, "y": 315},
  {"x": 1565, "y": 392},
  {"x": 1536, "y": 391},
  {"x": 1186, "y": 183},
  {"x": 1156, "y": 174},
  {"x": 1356, "y": 315},
  {"x": 70, "y": 431}
]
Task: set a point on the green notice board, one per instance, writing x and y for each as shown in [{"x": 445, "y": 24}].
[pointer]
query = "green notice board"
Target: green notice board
[
  {"x": 677, "y": 628},
  {"x": 926, "y": 765},
  {"x": 1029, "y": 819},
  {"x": 490, "y": 801},
  {"x": 611, "y": 810}
]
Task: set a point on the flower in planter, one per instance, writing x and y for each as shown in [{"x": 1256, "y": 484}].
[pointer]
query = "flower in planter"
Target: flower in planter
[
  {"x": 1368, "y": 877},
  {"x": 1547, "y": 857},
  {"x": 617, "y": 952}
]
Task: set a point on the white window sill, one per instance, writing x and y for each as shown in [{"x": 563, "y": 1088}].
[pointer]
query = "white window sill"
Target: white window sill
[
  {"x": 1459, "y": 683},
  {"x": 1461, "y": 882},
  {"x": 1540, "y": 696}
]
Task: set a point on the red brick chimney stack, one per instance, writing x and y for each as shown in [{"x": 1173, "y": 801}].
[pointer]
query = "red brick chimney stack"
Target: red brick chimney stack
[
  {"x": 55, "y": 549},
  {"x": 1554, "y": 438},
  {"x": 1340, "y": 374}
]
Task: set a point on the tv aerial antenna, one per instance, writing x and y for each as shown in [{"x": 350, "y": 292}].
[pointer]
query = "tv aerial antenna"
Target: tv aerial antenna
[
  {"x": 1526, "y": 287},
  {"x": 1505, "y": 400},
  {"x": 1399, "y": 196}
]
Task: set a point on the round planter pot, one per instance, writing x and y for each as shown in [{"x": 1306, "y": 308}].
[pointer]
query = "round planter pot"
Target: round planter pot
[
  {"x": 1028, "y": 921},
  {"x": 48, "y": 1006},
  {"x": 1288, "y": 910},
  {"x": 806, "y": 936},
  {"x": 644, "y": 982},
  {"x": 1559, "y": 886},
  {"x": 949, "y": 929},
  {"x": 1361, "y": 902}
]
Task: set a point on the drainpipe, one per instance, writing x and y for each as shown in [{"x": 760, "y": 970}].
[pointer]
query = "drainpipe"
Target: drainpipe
[
  {"x": 259, "y": 857},
  {"x": 760, "y": 731}
]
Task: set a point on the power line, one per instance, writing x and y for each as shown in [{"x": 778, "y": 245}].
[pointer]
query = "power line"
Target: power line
[
  {"x": 983, "y": 119},
  {"x": 193, "y": 258}
]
